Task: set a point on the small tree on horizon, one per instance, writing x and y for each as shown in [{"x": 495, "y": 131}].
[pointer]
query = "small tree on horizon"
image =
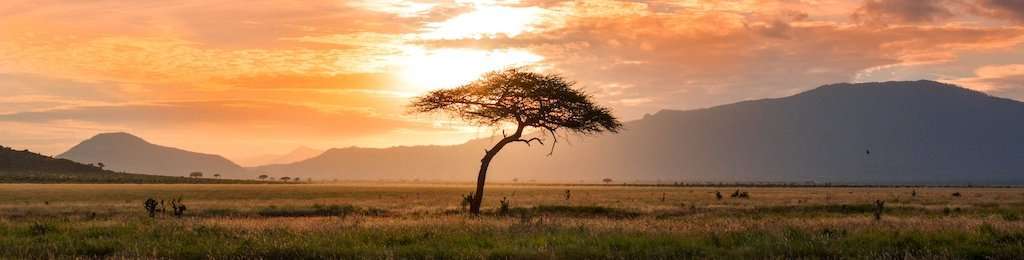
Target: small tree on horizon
[
  {"x": 263, "y": 177},
  {"x": 607, "y": 180},
  {"x": 525, "y": 99},
  {"x": 196, "y": 175},
  {"x": 216, "y": 175}
]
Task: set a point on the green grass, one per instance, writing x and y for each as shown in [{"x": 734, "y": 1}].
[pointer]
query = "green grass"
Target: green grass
[
  {"x": 172, "y": 239},
  {"x": 425, "y": 221}
]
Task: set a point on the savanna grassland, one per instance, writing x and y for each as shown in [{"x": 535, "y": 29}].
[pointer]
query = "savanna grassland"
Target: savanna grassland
[{"x": 399, "y": 221}]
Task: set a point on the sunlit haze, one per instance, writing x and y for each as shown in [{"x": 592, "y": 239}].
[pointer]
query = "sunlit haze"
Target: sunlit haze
[{"x": 243, "y": 78}]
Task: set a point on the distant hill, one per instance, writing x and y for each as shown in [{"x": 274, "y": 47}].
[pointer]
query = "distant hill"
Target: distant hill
[
  {"x": 28, "y": 167},
  {"x": 299, "y": 154},
  {"x": 919, "y": 132},
  {"x": 129, "y": 153}
]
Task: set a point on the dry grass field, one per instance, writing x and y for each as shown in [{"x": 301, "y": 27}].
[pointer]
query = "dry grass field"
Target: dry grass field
[{"x": 400, "y": 221}]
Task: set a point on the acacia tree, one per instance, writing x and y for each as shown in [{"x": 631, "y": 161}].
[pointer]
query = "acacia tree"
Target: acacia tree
[{"x": 525, "y": 99}]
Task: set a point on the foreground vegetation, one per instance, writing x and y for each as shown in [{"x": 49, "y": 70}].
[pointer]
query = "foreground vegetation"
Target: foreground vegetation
[{"x": 426, "y": 221}]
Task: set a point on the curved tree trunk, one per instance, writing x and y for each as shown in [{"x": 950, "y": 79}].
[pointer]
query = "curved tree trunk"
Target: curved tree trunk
[{"x": 481, "y": 178}]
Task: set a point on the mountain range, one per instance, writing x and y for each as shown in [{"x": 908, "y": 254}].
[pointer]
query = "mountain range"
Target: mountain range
[
  {"x": 908, "y": 132},
  {"x": 914, "y": 132}
]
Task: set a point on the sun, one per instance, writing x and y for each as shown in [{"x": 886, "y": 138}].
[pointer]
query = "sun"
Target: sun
[{"x": 423, "y": 70}]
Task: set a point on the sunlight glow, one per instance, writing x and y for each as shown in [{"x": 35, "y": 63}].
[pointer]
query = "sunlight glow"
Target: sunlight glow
[
  {"x": 424, "y": 70},
  {"x": 486, "y": 21}
]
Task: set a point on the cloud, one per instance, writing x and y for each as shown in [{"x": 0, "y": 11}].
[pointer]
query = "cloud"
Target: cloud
[
  {"x": 1012, "y": 9},
  {"x": 226, "y": 114},
  {"x": 883, "y": 12},
  {"x": 1003, "y": 80},
  {"x": 233, "y": 127}
]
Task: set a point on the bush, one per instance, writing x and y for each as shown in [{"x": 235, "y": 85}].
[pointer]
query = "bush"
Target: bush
[
  {"x": 466, "y": 201},
  {"x": 505, "y": 207},
  {"x": 879, "y": 209},
  {"x": 41, "y": 229}
]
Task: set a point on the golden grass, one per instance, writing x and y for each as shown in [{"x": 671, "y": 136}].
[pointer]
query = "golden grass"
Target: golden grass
[{"x": 433, "y": 208}]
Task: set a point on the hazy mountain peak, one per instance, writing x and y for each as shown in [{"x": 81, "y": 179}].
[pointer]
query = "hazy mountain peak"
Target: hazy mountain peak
[
  {"x": 891, "y": 88},
  {"x": 126, "y": 152},
  {"x": 297, "y": 154},
  {"x": 117, "y": 137}
]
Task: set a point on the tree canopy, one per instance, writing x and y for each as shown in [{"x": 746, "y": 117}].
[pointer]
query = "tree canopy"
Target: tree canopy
[{"x": 527, "y": 99}]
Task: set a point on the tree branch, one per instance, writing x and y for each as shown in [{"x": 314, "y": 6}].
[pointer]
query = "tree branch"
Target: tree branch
[{"x": 528, "y": 141}]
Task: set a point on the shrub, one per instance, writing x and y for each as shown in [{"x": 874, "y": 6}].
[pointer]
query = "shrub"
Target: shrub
[
  {"x": 1009, "y": 215},
  {"x": 879, "y": 208},
  {"x": 466, "y": 201},
  {"x": 740, "y": 195},
  {"x": 505, "y": 206},
  {"x": 150, "y": 205},
  {"x": 40, "y": 229}
]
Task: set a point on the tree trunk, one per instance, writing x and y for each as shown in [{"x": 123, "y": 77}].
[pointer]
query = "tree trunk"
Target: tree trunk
[{"x": 481, "y": 178}]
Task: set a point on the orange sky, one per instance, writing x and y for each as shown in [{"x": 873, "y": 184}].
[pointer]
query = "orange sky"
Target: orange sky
[{"x": 242, "y": 78}]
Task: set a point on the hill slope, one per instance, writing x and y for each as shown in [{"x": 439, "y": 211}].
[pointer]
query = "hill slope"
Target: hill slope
[
  {"x": 28, "y": 167},
  {"x": 299, "y": 154},
  {"x": 126, "y": 152},
  {"x": 920, "y": 132}
]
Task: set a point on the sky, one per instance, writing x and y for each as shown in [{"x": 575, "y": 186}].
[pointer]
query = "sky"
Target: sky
[{"x": 244, "y": 78}]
